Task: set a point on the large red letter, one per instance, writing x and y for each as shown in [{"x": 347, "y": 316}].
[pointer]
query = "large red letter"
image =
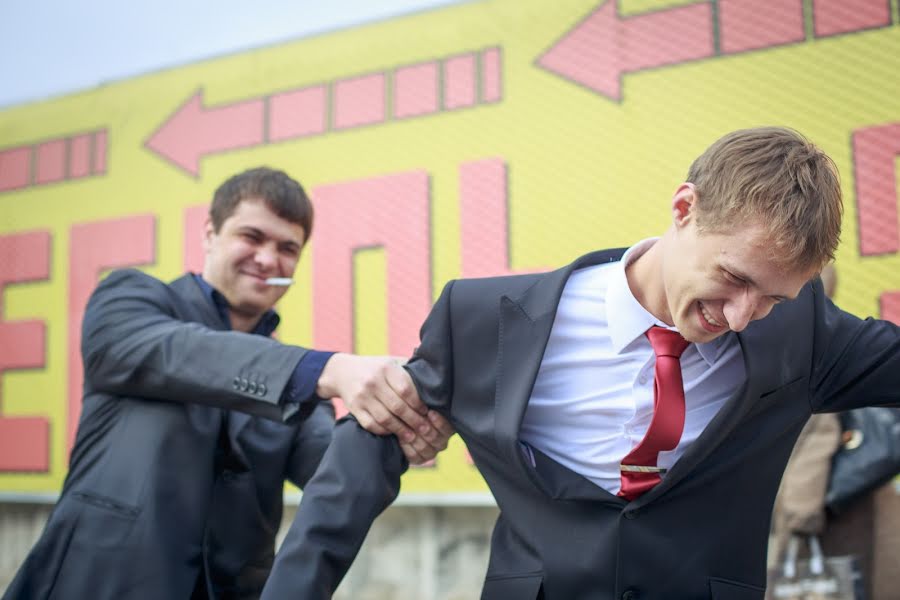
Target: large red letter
[
  {"x": 889, "y": 303},
  {"x": 484, "y": 219},
  {"x": 94, "y": 248},
  {"x": 391, "y": 212},
  {"x": 194, "y": 220},
  {"x": 24, "y": 441},
  {"x": 875, "y": 150}
]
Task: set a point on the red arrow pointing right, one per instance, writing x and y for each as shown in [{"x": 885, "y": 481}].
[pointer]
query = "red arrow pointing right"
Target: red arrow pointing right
[{"x": 597, "y": 51}]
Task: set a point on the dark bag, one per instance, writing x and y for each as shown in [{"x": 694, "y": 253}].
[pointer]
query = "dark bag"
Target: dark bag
[
  {"x": 816, "y": 578},
  {"x": 869, "y": 457}
]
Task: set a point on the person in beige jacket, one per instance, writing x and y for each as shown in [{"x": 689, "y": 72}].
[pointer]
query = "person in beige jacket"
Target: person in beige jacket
[{"x": 868, "y": 529}]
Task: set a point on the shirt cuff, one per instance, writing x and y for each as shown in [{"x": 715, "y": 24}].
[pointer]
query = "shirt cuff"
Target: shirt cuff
[{"x": 301, "y": 387}]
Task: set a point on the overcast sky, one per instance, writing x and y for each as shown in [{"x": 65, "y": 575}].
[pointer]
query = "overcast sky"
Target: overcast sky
[{"x": 53, "y": 47}]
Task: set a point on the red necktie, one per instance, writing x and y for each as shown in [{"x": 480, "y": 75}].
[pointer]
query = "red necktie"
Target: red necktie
[{"x": 639, "y": 470}]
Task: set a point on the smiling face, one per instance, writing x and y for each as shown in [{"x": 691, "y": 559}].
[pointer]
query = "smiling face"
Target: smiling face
[
  {"x": 251, "y": 245},
  {"x": 708, "y": 283},
  {"x": 759, "y": 215}
]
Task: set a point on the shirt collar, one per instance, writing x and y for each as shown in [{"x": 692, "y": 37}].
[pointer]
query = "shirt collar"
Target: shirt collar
[
  {"x": 631, "y": 320},
  {"x": 266, "y": 324}
]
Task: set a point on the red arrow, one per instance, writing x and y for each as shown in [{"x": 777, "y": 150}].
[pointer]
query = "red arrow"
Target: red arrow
[
  {"x": 194, "y": 131},
  {"x": 598, "y": 50},
  {"x": 874, "y": 153}
]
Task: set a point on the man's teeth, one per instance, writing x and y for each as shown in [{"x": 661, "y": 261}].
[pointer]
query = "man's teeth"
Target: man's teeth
[{"x": 708, "y": 317}]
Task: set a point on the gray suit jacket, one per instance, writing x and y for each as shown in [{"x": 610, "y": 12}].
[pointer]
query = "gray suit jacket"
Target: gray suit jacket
[
  {"x": 701, "y": 533},
  {"x": 180, "y": 457}
]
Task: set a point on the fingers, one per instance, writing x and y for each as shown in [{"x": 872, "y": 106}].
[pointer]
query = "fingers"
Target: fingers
[
  {"x": 380, "y": 420},
  {"x": 433, "y": 430},
  {"x": 441, "y": 424},
  {"x": 369, "y": 423},
  {"x": 420, "y": 451},
  {"x": 391, "y": 411},
  {"x": 412, "y": 455},
  {"x": 361, "y": 381},
  {"x": 437, "y": 435},
  {"x": 403, "y": 390},
  {"x": 382, "y": 397},
  {"x": 400, "y": 398},
  {"x": 390, "y": 398},
  {"x": 424, "y": 448}
]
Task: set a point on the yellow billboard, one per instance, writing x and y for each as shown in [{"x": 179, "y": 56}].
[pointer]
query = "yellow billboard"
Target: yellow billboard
[{"x": 479, "y": 139}]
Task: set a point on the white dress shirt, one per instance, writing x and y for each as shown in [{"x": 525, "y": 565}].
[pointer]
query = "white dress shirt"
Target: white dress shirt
[{"x": 593, "y": 397}]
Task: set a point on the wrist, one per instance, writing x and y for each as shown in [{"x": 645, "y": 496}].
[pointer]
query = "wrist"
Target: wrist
[{"x": 327, "y": 385}]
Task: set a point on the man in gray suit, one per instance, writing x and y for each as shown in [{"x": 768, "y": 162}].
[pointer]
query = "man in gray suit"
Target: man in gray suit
[
  {"x": 628, "y": 461},
  {"x": 194, "y": 417}
]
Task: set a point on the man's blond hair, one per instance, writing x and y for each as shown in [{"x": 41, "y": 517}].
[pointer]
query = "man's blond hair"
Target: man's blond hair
[{"x": 775, "y": 176}]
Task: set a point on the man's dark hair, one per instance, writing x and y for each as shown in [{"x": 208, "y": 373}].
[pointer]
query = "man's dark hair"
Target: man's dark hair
[{"x": 283, "y": 196}]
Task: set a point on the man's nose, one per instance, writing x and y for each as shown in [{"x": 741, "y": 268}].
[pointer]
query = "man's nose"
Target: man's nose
[
  {"x": 739, "y": 311},
  {"x": 266, "y": 256}
]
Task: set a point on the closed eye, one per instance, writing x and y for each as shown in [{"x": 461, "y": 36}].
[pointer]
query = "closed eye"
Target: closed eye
[
  {"x": 290, "y": 249},
  {"x": 732, "y": 278}
]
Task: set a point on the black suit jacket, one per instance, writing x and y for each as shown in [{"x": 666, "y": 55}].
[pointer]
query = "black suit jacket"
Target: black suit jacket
[
  {"x": 181, "y": 454},
  {"x": 701, "y": 533}
]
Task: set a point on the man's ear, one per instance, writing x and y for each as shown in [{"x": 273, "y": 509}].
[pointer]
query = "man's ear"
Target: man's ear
[
  {"x": 684, "y": 204},
  {"x": 208, "y": 233}
]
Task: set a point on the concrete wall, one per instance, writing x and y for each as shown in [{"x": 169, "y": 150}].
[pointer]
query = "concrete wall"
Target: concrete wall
[
  {"x": 20, "y": 526},
  {"x": 412, "y": 552}
]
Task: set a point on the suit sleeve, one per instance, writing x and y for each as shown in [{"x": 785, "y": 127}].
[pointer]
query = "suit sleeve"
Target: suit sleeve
[
  {"x": 134, "y": 344},
  {"x": 856, "y": 361},
  {"x": 431, "y": 366},
  {"x": 357, "y": 479},
  {"x": 310, "y": 443}
]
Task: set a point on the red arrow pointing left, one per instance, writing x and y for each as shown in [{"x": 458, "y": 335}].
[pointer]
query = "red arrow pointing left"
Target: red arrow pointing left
[
  {"x": 194, "y": 131},
  {"x": 597, "y": 51}
]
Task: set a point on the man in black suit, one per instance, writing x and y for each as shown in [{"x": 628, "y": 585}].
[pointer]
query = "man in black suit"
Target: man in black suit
[
  {"x": 628, "y": 461},
  {"x": 194, "y": 417}
]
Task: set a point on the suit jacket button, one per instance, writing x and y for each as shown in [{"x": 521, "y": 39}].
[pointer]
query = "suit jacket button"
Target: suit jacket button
[
  {"x": 252, "y": 388},
  {"x": 244, "y": 384},
  {"x": 236, "y": 384},
  {"x": 629, "y": 595},
  {"x": 261, "y": 389}
]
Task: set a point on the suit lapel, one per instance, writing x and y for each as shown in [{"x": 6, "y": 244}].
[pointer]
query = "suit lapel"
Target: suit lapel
[
  {"x": 525, "y": 325},
  {"x": 199, "y": 307},
  {"x": 522, "y": 342}
]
